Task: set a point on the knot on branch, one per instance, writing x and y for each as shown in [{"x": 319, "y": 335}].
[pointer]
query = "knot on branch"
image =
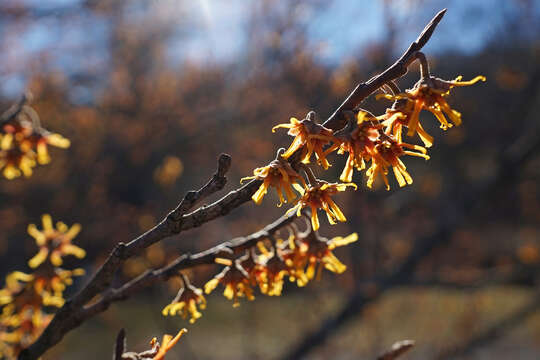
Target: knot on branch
[
  {"x": 191, "y": 196},
  {"x": 119, "y": 251}
]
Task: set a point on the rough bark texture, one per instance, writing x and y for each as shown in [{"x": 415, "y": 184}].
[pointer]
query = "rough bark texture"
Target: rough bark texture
[{"x": 74, "y": 312}]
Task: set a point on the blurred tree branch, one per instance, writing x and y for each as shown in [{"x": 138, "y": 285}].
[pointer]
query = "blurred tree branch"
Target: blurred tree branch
[{"x": 495, "y": 331}]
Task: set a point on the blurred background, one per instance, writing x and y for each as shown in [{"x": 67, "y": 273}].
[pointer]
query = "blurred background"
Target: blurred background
[{"x": 151, "y": 92}]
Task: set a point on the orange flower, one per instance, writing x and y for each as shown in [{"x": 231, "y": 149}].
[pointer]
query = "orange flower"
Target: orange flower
[
  {"x": 429, "y": 94},
  {"x": 40, "y": 139},
  {"x": 319, "y": 197},
  {"x": 14, "y": 159},
  {"x": 318, "y": 251},
  {"x": 15, "y": 284},
  {"x": 255, "y": 267},
  {"x": 166, "y": 345},
  {"x": 55, "y": 243},
  {"x": 17, "y": 128},
  {"x": 236, "y": 282},
  {"x": 400, "y": 115},
  {"x": 310, "y": 137},
  {"x": 186, "y": 301},
  {"x": 276, "y": 270},
  {"x": 23, "y": 141},
  {"x": 21, "y": 330},
  {"x": 280, "y": 175},
  {"x": 294, "y": 258},
  {"x": 388, "y": 153},
  {"x": 50, "y": 284},
  {"x": 358, "y": 139}
]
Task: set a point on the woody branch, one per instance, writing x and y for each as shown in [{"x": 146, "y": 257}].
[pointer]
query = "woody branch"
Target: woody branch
[
  {"x": 513, "y": 157},
  {"x": 69, "y": 316}
]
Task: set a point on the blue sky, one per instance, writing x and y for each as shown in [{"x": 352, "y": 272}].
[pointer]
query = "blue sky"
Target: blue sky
[
  {"x": 217, "y": 30},
  {"x": 347, "y": 24}
]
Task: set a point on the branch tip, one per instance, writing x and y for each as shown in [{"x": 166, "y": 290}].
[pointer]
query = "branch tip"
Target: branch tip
[
  {"x": 425, "y": 35},
  {"x": 120, "y": 346},
  {"x": 224, "y": 164}
]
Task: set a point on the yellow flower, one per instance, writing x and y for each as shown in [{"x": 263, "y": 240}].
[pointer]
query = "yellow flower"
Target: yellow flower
[
  {"x": 55, "y": 243},
  {"x": 318, "y": 196},
  {"x": 358, "y": 139},
  {"x": 24, "y": 142},
  {"x": 186, "y": 301},
  {"x": 310, "y": 137},
  {"x": 387, "y": 153},
  {"x": 236, "y": 282},
  {"x": 50, "y": 284},
  {"x": 15, "y": 160},
  {"x": 167, "y": 344},
  {"x": 40, "y": 139},
  {"x": 23, "y": 330},
  {"x": 278, "y": 174},
  {"x": 255, "y": 267},
  {"x": 294, "y": 258},
  {"x": 428, "y": 94},
  {"x": 15, "y": 283},
  {"x": 400, "y": 115},
  {"x": 276, "y": 270},
  {"x": 318, "y": 253}
]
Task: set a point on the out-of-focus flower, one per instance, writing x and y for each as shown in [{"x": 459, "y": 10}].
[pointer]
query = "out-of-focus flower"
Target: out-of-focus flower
[
  {"x": 40, "y": 139},
  {"x": 280, "y": 175},
  {"x": 388, "y": 153},
  {"x": 310, "y": 137},
  {"x": 22, "y": 330},
  {"x": 15, "y": 160},
  {"x": 50, "y": 285},
  {"x": 15, "y": 283},
  {"x": 166, "y": 345},
  {"x": 358, "y": 139},
  {"x": 236, "y": 282},
  {"x": 54, "y": 243},
  {"x": 24, "y": 296},
  {"x": 167, "y": 173},
  {"x": 186, "y": 301},
  {"x": 318, "y": 196},
  {"x": 24, "y": 142},
  {"x": 45, "y": 286}
]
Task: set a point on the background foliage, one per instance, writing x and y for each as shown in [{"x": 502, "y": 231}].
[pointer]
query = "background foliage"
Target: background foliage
[{"x": 150, "y": 92}]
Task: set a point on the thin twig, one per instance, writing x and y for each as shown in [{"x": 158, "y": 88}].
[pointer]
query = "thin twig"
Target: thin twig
[
  {"x": 186, "y": 261},
  {"x": 16, "y": 108},
  {"x": 120, "y": 345}
]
